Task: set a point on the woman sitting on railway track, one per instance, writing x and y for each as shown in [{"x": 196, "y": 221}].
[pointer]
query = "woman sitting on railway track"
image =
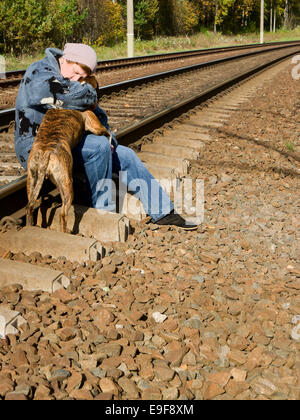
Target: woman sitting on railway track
[{"x": 53, "y": 83}]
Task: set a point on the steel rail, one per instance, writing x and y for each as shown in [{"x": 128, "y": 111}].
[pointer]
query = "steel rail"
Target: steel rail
[
  {"x": 109, "y": 89},
  {"x": 108, "y": 65},
  {"x": 14, "y": 193},
  {"x": 122, "y": 62},
  {"x": 7, "y": 116},
  {"x": 131, "y": 133}
]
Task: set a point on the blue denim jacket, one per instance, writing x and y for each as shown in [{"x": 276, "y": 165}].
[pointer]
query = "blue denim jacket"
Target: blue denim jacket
[{"x": 43, "y": 87}]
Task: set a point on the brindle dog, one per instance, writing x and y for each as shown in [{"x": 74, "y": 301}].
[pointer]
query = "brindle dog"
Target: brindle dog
[{"x": 51, "y": 156}]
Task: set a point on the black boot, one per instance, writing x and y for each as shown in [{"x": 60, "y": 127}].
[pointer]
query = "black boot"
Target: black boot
[{"x": 174, "y": 219}]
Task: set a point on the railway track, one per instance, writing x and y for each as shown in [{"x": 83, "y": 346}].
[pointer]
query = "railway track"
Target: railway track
[
  {"x": 150, "y": 130},
  {"x": 111, "y": 71},
  {"x": 14, "y": 77},
  {"x": 130, "y": 115}
]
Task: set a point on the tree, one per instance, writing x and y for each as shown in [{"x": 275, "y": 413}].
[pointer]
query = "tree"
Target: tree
[
  {"x": 178, "y": 17},
  {"x": 146, "y": 18},
  {"x": 104, "y": 23},
  {"x": 167, "y": 17},
  {"x": 64, "y": 21},
  {"x": 21, "y": 24},
  {"x": 291, "y": 13},
  {"x": 221, "y": 9},
  {"x": 285, "y": 12},
  {"x": 185, "y": 18},
  {"x": 27, "y": 25}
]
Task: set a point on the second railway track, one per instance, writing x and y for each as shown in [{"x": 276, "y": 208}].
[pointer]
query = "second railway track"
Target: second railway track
[{"x": 134, "y": 107}]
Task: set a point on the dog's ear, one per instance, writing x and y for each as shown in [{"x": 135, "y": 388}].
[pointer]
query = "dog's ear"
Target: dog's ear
[
  {"x": 92, "y": 124},
  {"x": 93, "y": 82}
]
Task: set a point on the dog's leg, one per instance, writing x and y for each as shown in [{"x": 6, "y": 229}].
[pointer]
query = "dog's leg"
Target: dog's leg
[
  {"x": 66, "y": 204},
  {"x": 35, "y": 181},
  {"x": 92, "y": 124},
  {"x": 31, "y": 181},
  {"x": 64, "y": 182}
]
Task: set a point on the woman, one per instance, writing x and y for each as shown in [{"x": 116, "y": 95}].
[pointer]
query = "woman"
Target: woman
[{"x": 53, "y": 82}]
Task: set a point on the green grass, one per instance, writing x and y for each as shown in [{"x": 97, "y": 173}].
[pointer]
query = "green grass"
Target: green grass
[
  {"x": 204, "y": 39},
  {"x": 290, "y": 146}
]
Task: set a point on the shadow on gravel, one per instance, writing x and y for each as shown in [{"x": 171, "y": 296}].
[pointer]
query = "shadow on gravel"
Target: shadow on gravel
[
  {"x": 266, "y": 145},
  {"x": 244, "y": 167},
  {"x": 287, "y": 154}
]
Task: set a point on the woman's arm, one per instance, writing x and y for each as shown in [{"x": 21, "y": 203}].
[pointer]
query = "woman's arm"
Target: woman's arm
[
  {"x": 104, "y": 121},
  {"x": 45, "y": 87}
]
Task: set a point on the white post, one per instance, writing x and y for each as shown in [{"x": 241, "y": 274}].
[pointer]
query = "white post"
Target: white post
[
  {"x": 2, "y": 67},
  {"x": 271, "y": 16},
  {"x": 130, "y": 28},
  {"x": 262, "y": 14}
]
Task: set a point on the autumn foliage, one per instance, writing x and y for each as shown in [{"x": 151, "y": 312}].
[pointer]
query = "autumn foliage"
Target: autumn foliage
[{"x": 27, "y": 25}]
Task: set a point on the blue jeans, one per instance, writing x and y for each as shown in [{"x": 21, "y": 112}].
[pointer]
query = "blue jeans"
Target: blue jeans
[{"x": 94, "y": 154}]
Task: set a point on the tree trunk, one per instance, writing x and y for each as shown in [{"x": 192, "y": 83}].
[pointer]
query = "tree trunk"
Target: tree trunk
[
  {"x": 286, "y": 14},
  {"x": 215, "y": 20}
]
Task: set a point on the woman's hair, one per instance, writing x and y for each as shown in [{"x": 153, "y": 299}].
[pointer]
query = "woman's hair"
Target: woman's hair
[{"x": 83, "y": 66}]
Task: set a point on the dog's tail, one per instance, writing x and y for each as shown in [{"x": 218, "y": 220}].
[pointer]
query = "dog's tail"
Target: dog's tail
[{"x": 36, "y": 175}]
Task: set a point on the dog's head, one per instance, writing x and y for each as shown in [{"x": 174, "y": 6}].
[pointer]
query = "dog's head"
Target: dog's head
[{"x": 93, "y": 82}]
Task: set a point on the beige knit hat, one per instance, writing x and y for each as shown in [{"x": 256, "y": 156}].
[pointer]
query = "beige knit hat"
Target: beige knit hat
[{"x": 82, "y": 54}]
